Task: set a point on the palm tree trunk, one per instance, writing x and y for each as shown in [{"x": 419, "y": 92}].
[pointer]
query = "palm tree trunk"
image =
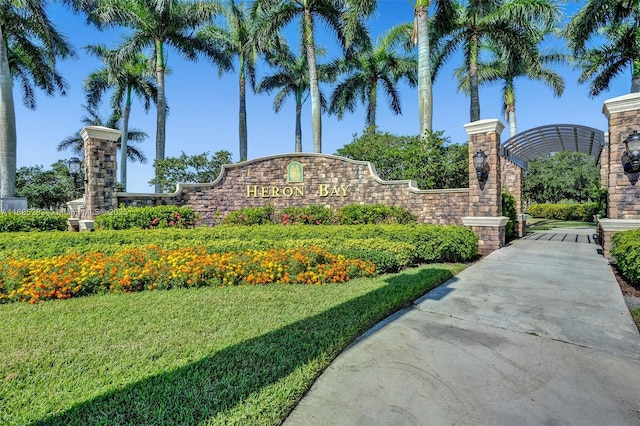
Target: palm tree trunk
[
  {"x": 512, "y": 121},
  {"x": 242, "y": 131},
  {"x": 425, "y": 92},
  {"x": 473, "y": 79},
  {"x": 298, "y": 121},
  {"x": 510, "y": 106},
  {"x": 124, "y": 139},
  {"x": 314, "y": 89},
  {"x": 161, "y": 105},
  {"x": 635, "y": 76},
  {"x": 373, "y": 103},
  {"x": 8, "y": 138}
]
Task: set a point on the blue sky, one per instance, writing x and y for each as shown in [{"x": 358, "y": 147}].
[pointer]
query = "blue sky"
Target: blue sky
[{"x": 204, "y": 108}]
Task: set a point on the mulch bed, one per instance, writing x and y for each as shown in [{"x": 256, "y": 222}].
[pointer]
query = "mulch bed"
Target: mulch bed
[{"x": 627, "y": 288}]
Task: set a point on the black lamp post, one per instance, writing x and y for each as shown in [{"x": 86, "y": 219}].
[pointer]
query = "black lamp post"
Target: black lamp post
[
  {"x": 631, "y": 157},
  {"x": 74, "y": 164},
  {"x": 480, "y": 164}
]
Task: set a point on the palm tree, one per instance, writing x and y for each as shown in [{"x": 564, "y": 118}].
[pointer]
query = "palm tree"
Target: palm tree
[
  {"x": 369, "y": 67},
  {"x": 75, "y": 142},
  {"x": 30, "y": 47},
  {"x": 238, "y": 39},
  {"x": 442, "y": 22},
  {"x": 505, "y": 65},
  {"x": 133, "y": 77},
  {"x": 618, "y": 22},
  {"x": 292, "y": 79},
  {"x": 343, "y": 17},
  {"x": 155, "y": 25},
  {"x": 507, "y": 24}
]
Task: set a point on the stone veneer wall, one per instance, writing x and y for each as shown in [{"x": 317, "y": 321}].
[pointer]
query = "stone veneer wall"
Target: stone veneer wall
[
  {"x": 328, "y": 180},
  {"x": 623, "y": 114},
  {"x": 512, "y": 180}
]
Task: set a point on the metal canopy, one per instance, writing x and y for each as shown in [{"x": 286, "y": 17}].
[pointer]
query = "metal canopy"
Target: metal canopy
[{"x": 542, "y": 140}]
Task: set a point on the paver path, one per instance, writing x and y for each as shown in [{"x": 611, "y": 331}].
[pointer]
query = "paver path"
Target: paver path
[{"x": 536, "y": 333}]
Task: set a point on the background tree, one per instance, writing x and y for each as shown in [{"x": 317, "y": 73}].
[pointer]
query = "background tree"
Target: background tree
[
  {"x": 189, "y": 169},
  {"x": 505, "y": 65},
  {"x": 154, "y": 25},
  {"x": 368, "y": 67},
  {"x": 30, "y": 47},
  {"x": 291, "y": 78},
  {"x": 507, "y": 24},
  {"x": 343, "y": 18},
  {"x": 47, "y": 189},
  {"x": 135, "y": 76},
  {"x": 562, "y": 176},
  {"x": 614, "y": 26},
  {"x": 75, "y": 142},
  {"x": 429, "y": 160}
]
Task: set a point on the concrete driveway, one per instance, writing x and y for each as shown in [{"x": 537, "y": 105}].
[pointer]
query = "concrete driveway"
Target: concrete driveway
[{"x": 534, "y": 334}]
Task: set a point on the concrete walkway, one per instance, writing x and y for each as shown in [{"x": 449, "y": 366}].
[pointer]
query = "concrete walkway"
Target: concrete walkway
[{"x": 534, "y": 334}]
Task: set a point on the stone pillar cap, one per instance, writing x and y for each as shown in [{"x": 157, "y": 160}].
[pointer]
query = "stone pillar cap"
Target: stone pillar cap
[
  {"x": 99, "y": 132},
  {"x": 484, "y": 126},
  {"x": 620, "y": 104}
]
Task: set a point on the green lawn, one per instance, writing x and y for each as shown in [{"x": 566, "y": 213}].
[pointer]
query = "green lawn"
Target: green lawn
[
  {"x": 233, "y": 355},
  {"x": 538, "y": 224}
]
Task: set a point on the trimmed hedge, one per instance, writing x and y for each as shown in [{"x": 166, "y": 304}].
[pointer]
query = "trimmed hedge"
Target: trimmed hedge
[
  {"x": 352, "y": 214},
  {"x": 625, "y": 249},
  {"x": 391, "y": 247},
  {"x": 147, "y": 218},
  {"x": 581, "y": 212},
  {"x": 32, "y": 220}
]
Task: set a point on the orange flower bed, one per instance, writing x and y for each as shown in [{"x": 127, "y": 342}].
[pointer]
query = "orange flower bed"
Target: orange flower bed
[{"x": 150, "y": 268}]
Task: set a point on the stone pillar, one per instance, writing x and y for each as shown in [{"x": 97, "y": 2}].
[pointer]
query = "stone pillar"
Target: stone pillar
[
  {"x": 623, "y": 206},
  {"x": 100, "y": 173},
  {"x": 485, "y": 198}
]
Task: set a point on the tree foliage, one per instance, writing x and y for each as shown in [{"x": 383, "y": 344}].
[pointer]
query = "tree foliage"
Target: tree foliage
[
  {"x": 431, "y": 161},
  {"x": 605, "y": 39},
  {"x": 562, "y": 176},
  {"x": 47, "y": 189},
  {"x": 189, "y": 169}
]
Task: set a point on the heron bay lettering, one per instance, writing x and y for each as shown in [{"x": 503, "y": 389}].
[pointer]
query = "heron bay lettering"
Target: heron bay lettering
[{"x": 322, "y": 190}]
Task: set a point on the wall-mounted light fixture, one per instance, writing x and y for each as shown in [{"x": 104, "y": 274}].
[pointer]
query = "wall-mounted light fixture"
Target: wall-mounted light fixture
[
  {"x": 480, "y": 164},
  {"x": 74, "y": 164},
  {"x": 631, "y": 156}
]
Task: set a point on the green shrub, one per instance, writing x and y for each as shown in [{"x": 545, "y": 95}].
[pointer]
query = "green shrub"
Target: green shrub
[
  {"x": 509, "y": 210},
  {"x": 354, "y": 214},
  {"x": 581, "y": 212},
  {"x": 251, "y": 216},
  {"x": 147, "y": 218},
  {"x": 625, "y": 249},
  {"x": 309, "y": 215},
  {"x": 32, "y": 220}
]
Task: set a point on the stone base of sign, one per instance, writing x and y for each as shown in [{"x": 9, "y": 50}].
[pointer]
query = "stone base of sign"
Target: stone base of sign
[
  {"x": 85, "y": 225},
  {"x": 608, "y": 227},
  {"x": 490, "y": 232},
  {"x": 73, "y": 224}
]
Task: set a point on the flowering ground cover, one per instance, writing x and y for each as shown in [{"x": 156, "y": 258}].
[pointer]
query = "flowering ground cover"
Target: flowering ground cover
[
  {"x": 208, "y": 355},
  {"x": 151, "y": 267}
]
